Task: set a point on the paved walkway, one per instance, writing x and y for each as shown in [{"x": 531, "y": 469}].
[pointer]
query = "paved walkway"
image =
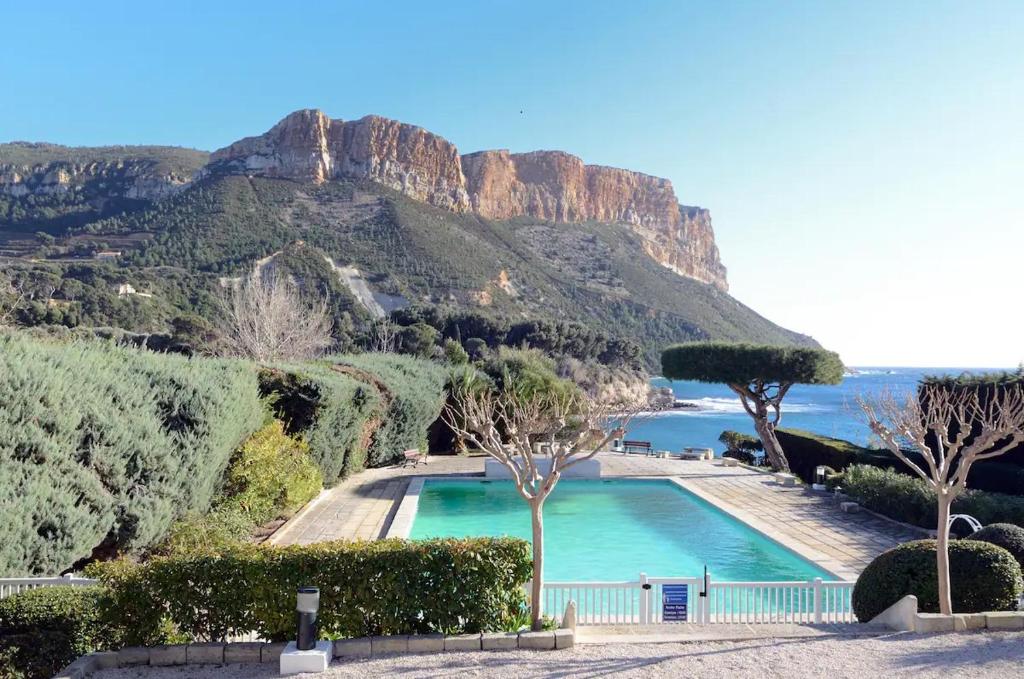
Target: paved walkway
[{"x": 806, "y": 521}]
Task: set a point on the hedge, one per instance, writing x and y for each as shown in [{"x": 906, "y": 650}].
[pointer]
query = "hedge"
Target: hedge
[
  {"x": 270, "y": 476},
  {"x": 357, "y": 410},
  {"x": 45, "y": 629},
  {"x": 983, "y": 577},
  {"x": 911, "y": 500},
  {"x": 806, "y": 450},
  {"x": 366, "y": 588},
  {"x": 412, "y": 391},
  {"x": 331, "y": 410},
  {"x": 104, "y": 446}
]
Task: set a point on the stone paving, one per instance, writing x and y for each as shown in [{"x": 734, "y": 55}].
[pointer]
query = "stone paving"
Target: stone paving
[{"x": 808, "y": 522}]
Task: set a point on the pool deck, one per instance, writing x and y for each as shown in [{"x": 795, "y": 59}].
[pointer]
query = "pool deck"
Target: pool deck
[{"x": 806, "y": 521}]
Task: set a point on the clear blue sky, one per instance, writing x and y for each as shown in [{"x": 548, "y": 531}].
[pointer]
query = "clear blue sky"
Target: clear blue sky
[{"x": 863, "y": 162}]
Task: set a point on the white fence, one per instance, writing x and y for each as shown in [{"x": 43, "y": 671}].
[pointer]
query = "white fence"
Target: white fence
[
  {"x": 9, "y": 586},
  {"x": 701, "y": 601}
]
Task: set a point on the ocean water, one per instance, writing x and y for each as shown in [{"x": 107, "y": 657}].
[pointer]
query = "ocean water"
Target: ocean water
[
  {"x": 613, "y": 529},
  {"x": 827, "y": 409}
]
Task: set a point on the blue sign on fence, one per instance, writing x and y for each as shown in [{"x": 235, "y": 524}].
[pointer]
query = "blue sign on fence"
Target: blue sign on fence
[{"x": 674, "y": 599}]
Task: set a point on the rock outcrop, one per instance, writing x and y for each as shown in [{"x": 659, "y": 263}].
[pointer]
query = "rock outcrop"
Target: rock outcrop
[
  {"x": 124, "y": 178},
  {"x": 307, "y": 145},
  {"x": 549, "y": 185}
]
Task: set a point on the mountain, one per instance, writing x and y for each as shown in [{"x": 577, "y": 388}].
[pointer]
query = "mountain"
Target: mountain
[
  {"x": 380, "y": 214},
  {"x": 547, "y": 185}
]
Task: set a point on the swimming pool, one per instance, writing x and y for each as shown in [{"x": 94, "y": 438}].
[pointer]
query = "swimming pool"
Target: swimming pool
[{"x": 613, "y": 529}]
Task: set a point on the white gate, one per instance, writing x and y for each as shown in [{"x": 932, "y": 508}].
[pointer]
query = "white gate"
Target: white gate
[{"x": 654, "y": 600}]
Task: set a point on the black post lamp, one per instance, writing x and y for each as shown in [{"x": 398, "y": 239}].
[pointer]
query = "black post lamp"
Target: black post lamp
[{"x": 306, "y": 606}]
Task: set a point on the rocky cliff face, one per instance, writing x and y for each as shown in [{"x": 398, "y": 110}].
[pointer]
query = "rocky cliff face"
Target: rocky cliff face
[
  {"x": 307, "y": 145},
  {"x": 548, "y": 185},
  {"x": 128, "y": 178}
]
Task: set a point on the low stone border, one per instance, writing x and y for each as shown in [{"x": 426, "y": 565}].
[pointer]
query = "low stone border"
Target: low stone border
[
  {"x": 401, "y": 524},
  {"x": 902, "y": 616},
  {"x": 363, "y": 647}
]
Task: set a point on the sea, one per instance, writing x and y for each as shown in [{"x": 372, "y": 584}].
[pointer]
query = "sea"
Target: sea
[{"x": 830, "y": 410}]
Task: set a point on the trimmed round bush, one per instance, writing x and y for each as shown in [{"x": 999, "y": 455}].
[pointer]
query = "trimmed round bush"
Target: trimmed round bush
[
  {"x": 1007, "y": 535},
  {"x": 984, "y": 577},
  {"x": 44, "y": 629}
]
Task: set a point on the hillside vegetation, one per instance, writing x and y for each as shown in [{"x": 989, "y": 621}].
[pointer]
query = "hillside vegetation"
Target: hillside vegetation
[{"x": 593, "y": 273}]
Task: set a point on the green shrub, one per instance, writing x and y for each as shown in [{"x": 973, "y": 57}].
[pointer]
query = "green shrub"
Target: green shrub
[
  {"x": 270, "y": 476},
  {"x": 43, "y": 630},
  {"x": 104, "y": 446},
  {"x": 1006, "y": 535},
  {"x": 412, "y": 391},
  {"x": 983, "y": 577},
  {"x": 911, "y": 500},
  {"x": 332, "y": 411},
  {"x": 379, "y": 587},
  {"x": 806, "y": 450}
]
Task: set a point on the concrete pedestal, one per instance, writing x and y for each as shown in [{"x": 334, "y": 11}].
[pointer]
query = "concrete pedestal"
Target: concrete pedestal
[{"x": 294, "y": 661}]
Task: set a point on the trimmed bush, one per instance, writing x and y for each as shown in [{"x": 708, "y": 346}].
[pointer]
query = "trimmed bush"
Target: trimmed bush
[
  {"x": 270, "y": 476},
  {"x": 330, "y": 410},
  {"x": 412, "y": 391},
  {"x": 806, "y": 450},
  {"x": 43, "y": 630},
  {"x": 911, "y": 500},
  {"x": 104, "y": 447},
  {"x": 366, "y": 588},
  {"x": 1006, "y": 535},
  {"x": 983, "y": 577}
]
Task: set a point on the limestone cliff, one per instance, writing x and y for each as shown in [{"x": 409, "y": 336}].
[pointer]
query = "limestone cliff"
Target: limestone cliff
[
  {"x": 307, "y": 145},
  {"x": 549, "y": 185}
]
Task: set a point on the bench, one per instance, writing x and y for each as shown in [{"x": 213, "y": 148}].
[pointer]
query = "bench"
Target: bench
[
  {"x": 788, "y": 480},
  {"x": 637, "y": 447},
  {"x": 414, "y": 457},
  {"x": 696, "y": 454}
]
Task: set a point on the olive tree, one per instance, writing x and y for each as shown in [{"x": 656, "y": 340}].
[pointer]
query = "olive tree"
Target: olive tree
[
  {"x": 950, "y": 429},
  {"x": 760, "y": 375},
  {"x": 511, "y": 423}
]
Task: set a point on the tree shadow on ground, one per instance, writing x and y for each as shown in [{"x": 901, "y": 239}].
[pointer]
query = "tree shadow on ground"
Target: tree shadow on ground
[{"x": 988, "y": 647}]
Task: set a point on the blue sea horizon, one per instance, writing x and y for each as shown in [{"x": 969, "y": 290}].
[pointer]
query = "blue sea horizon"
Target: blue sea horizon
[{"x": 830, "y": 410}]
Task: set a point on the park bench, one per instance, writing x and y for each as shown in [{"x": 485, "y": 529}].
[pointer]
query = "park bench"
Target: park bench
[
  {"x": 414, "y": 457},
  {"x": 637, "y": 447}
]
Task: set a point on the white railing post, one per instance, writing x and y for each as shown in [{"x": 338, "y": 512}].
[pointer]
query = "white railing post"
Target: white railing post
[
  {"x": 706, "y": 606},
  {"x": 817, "y": 601},
  {"x": 645, "y": 600}
]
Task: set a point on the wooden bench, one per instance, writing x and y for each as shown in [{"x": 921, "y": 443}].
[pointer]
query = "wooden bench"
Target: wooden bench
[
  {"x": 637, "y": 447},
  {"x": 414, "y": 457}
]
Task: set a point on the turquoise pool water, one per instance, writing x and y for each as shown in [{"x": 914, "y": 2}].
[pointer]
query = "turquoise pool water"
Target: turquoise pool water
[{"x": 612, "y": 529}]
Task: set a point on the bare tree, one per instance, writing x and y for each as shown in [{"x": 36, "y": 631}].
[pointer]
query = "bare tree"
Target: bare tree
[
  {"x": 264, "y": 319},
  {"x": 510, "y": 426},
  {"x": 384, "y": 336},
  {"x": 963, "y": 428},
  {"x": 9, "y": 306}
]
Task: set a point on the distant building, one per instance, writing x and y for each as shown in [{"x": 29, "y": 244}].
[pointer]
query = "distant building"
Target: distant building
[
  {"x": 127, "y": 290},
  {"x": 107, "y": 254}
]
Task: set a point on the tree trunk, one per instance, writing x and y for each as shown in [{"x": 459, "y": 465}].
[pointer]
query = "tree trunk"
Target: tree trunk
[
  {"x": 942, "y": 554},
  {"x": 537, "y": 587},
  {"x": 772, "y": 448}
]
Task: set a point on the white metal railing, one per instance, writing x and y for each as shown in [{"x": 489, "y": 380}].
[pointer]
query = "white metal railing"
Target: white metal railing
[
  {"x": 10, "y": 586},
  {"x": 702, "y": 601}
]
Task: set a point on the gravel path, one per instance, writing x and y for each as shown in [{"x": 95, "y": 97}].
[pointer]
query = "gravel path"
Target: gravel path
[{"x": 981, "y": 654}]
